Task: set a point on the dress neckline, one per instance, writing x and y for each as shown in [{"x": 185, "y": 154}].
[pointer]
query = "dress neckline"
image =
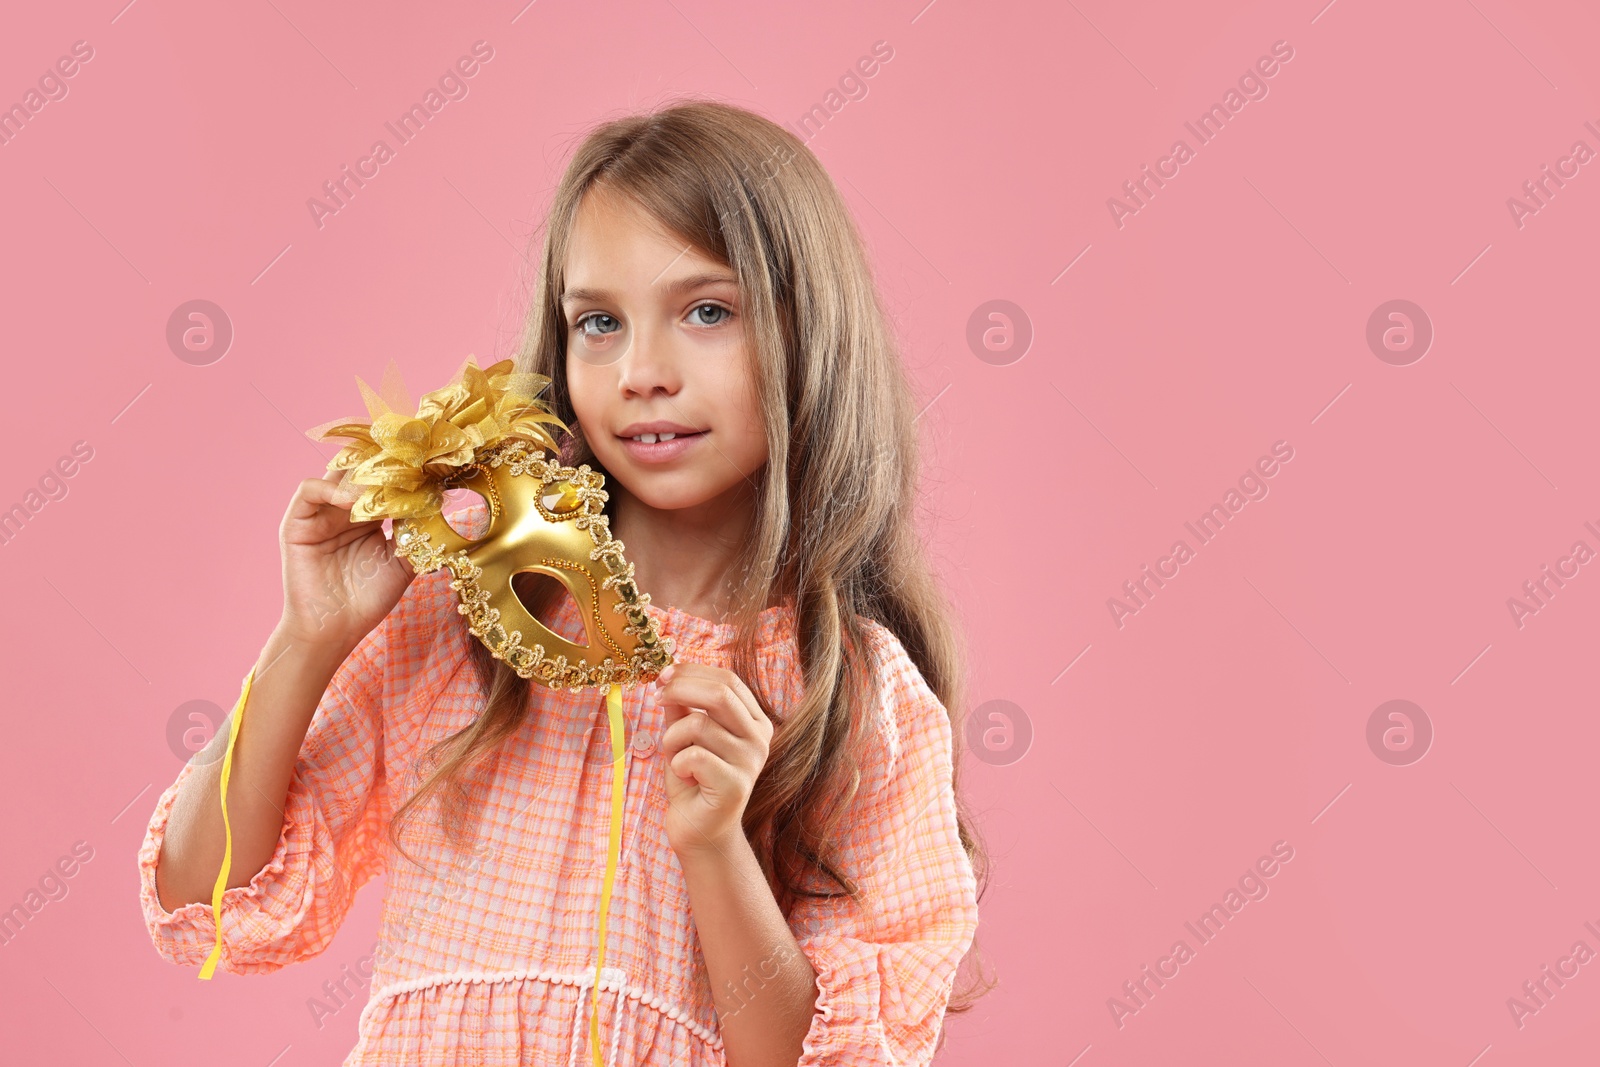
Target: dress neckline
[{"x": 774, "y": 625}]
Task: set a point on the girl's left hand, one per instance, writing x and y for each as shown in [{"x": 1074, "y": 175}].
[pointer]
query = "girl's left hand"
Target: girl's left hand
[{"x": 713, "y": 755}]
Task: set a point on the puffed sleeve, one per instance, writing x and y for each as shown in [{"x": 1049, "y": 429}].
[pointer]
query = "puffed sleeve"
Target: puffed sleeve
[
  {"x": 335, "y": 821},
  {"x": 886, "y": 966}
]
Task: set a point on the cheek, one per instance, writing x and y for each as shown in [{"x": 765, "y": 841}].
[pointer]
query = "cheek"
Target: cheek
[
  {"x": 586, "y": 389},
  {"x": 753, "y": 446},
  {"x": 579, "y": 384},
  {"x": 744, "y": 434},
  {"x": 744, "y": 440}
]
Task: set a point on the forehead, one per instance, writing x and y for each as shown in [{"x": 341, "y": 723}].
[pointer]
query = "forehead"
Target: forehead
[{"x": 618, "y": 246}]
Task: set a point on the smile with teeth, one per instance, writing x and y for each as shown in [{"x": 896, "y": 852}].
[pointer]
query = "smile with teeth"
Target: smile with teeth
[{"x": 662, "y": 446}]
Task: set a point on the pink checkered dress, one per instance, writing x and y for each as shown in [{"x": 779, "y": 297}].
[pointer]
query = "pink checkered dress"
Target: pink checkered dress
[{"x": 487, "y": 956}]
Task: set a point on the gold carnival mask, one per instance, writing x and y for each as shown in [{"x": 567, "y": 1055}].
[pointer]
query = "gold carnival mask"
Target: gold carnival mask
[
  {"x": 486, "y": 432},
  {"x": 543, "y": 519}
]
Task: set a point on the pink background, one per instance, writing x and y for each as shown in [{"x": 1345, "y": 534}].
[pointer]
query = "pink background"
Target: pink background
[{"x": 1229, "y": 313}]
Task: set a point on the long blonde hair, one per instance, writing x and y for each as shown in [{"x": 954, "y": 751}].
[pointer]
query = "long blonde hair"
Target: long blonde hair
[{"x": 833, "y": 506}]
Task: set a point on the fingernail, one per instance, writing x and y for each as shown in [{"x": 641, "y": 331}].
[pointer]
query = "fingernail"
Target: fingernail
[{"x": 666, "y": 676}]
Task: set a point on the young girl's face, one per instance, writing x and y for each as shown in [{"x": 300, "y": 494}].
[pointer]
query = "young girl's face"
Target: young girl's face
[{"x": 656, "y": 345}]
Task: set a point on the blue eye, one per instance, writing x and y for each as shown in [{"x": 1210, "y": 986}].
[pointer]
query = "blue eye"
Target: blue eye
[
  {"x": 582, "y": 324},
  {"x": 713, "y": 307}
]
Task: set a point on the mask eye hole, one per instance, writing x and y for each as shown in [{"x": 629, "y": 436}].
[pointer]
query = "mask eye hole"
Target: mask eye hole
[
  {"x": 466, "y": 511},
  {"x": 546, "y": 598}
]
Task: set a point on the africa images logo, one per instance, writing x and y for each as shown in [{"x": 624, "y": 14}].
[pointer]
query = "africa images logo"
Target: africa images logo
[
  {"x": 452, "y": 85},
  {"x": 1251, "y": 886}
]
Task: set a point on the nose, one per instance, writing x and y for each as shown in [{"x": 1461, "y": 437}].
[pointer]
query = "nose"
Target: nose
[{"x": 648, "y": 367}]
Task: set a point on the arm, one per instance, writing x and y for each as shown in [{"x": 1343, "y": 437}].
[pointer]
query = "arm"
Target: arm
[
  {"x": 306, "y": 794},
  {"x": 761, "y": 982},
  {"x": 763, "y": 985},
  {"x": 850, "y": 982},
  {"x": 329, "y": 840},
  {"x": 340, "y": 579},
  {"x": 290, "y": 680},
  {"x": 886, "y": 963}
]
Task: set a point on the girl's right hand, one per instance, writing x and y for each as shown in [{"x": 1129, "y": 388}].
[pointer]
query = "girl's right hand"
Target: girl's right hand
[{"x": 340, "y": 578}]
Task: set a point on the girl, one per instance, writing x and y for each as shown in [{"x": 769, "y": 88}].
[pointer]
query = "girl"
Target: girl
[{"x": 799, "y": 883}]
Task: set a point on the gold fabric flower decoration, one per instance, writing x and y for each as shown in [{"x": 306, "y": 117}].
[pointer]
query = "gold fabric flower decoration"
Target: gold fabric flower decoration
[{"x": 402, "y": 462}]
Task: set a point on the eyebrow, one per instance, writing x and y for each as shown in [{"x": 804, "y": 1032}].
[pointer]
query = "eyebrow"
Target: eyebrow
[{"x": 682, "y": 285}]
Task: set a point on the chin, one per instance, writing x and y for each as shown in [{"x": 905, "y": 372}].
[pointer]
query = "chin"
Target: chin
[{"x": 662, "y": 490}]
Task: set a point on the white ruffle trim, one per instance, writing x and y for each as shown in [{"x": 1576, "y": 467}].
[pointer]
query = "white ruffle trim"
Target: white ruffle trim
[{"x": 612, "y": 979}]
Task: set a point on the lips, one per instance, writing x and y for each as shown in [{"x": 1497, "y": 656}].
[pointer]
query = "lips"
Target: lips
[
  {"x": 659, "y": 450},
  {"x": 634, "y": 429}
]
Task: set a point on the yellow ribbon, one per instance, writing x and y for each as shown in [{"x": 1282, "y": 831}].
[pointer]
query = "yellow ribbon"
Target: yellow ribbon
[
  {"x": 613, "y": 853},
  {"x": 208, "y": 968}
]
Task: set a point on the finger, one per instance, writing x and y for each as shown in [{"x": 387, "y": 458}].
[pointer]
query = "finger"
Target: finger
[
  {"x": 403, "y": 565},
  {"x": 361, "y": 532},
  {"x": 373, "y": 554},
  {"x": 713, "y": 691},
  {"x": 322, "y": 490},
  {"x": 316, "y": 508},
  {"x": 327, "y": 526},
  {"x": 312, "y": 500},
  {"x": 709, "y": 771},
  {"x": 751, "y": 704},
  {"x": 334, "y": 492},
  {"x": 702, "y": 730},
  {"x": 383, "y": 547}
]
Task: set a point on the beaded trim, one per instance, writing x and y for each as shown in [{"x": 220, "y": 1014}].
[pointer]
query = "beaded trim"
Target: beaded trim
[
  {"x": 612, "y": 982},
  {"x": 654, "y": 653}
]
